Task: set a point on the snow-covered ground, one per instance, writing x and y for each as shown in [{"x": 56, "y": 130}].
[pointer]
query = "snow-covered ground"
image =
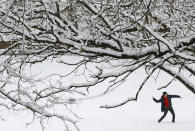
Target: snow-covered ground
[
  {"x": 134, "y": 116},
  {"x": 143, "y": 114}
]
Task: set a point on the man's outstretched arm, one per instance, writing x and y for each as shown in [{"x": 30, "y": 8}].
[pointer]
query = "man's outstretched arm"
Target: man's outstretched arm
[
  {"x": 157, "y": 101},
  {"x": 175, "y": 96}
]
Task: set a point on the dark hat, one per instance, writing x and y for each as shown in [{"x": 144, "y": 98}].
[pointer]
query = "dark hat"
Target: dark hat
[{"x": 164, "y": 93}]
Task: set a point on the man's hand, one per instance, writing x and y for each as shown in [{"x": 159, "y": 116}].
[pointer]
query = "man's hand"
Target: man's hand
[
  {"x": 180, "y": 97},
  {"x": 152, "y": 97}
]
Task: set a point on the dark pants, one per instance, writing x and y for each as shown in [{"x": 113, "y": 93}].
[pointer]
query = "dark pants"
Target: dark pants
[{"x": 165, "y": 113}]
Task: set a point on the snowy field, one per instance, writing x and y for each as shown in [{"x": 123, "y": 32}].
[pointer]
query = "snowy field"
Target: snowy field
[
  {"x": 143, "y": 114},
  {"x": 134, "y": 116}
]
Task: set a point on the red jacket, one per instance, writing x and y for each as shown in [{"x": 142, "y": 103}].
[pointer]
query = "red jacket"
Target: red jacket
[{"x": 166, "y": 101}]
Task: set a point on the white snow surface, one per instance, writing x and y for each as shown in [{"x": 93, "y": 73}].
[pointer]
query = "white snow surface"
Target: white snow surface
[{"x": 134, "y": 116}]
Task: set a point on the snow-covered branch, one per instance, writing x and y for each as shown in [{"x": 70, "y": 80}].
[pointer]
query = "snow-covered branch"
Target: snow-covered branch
[{"x": 100, "y": 41}]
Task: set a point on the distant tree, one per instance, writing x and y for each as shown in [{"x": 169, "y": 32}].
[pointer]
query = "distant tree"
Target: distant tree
[{"x": 120, "y": 35}]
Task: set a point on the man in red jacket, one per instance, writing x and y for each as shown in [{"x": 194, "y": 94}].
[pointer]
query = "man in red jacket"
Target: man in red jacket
[{"x": 166, "y": 105}]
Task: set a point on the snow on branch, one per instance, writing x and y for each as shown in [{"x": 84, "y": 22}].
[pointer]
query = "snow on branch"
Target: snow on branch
[
  {"x": 130, "y": 98},
  {"x": 97, "y": 43}
]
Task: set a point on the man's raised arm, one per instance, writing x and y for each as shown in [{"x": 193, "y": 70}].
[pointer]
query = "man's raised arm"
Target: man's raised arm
[{"x": 157, "y": 101}]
